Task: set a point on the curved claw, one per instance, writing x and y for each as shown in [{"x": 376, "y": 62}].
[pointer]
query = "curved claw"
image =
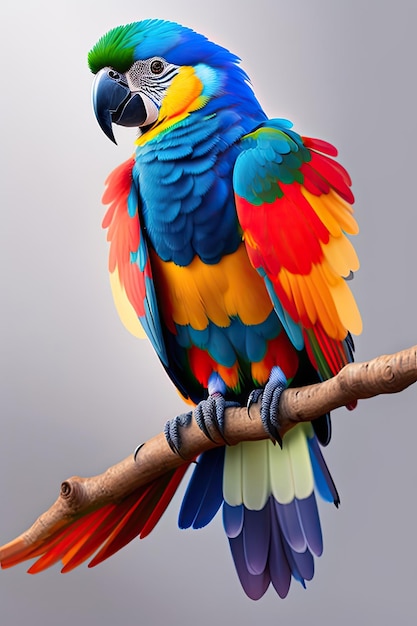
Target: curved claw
[
  {"x": 270, "y": 401},
  {"x": 172, "y": 431},
  {"x": 253, "y": 398},
  {"x": 136, "y": 452}
]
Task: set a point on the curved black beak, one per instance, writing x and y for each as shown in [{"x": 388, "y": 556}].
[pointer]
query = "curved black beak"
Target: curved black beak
[{"x": 114, "y": 102}]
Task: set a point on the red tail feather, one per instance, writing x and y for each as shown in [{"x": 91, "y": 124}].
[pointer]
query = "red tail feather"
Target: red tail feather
[{"x": 107, "y": 529}]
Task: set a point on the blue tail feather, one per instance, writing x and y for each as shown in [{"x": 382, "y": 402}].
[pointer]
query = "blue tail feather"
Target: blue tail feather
[
  {"x": 324, "y": 481},
  {"x": 310, "y": 520},
  {"x": 256, "y": 539},
  {"x": 290, "y": 524},
  {"x": 254, "y": 585},
  {"x": 278, "y": 563},
  {"x": 204, "y": 494},
  {"x": 233, "y": 517}
]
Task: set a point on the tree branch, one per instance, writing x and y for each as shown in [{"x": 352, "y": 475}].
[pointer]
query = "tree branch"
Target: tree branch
[{"x": 356, "y": 381}]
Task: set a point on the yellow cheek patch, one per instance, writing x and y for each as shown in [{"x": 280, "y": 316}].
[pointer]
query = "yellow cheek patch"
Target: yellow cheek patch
[
  {"x": 182, "y": 97},
  {"x": 200, "y": 293}
]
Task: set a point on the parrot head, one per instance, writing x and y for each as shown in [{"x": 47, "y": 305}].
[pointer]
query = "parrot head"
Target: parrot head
[{"x": 154, "y": 71}]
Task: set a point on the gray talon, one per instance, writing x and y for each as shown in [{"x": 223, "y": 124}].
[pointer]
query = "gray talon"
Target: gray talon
[
  {"x": 253, "y": 398},
  {"x": 136, "y": 452},
  {"x": 173, "y": 433},
  {"x": 270, "y": 403},
  {"x": 210, "y": 413}
]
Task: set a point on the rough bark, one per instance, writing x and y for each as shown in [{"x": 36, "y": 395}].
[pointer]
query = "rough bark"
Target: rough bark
[{"x": 385, "y": 374}]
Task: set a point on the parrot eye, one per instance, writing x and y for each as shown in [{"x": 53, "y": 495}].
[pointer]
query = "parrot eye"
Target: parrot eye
[{"x": 157, "y": 66}]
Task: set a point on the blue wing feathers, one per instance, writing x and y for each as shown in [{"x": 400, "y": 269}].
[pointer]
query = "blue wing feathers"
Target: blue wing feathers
[{"x": 292, "y": 329}]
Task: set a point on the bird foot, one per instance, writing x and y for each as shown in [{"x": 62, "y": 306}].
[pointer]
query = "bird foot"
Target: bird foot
[
  {"x": 209, "y": 415},
  {"x": 270, "y": 396}
]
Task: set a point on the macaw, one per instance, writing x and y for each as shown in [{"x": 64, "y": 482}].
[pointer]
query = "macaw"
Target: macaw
[{"x": 229, "y": 249}]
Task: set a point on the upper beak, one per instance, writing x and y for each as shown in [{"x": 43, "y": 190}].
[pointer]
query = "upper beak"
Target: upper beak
[{"x": 114, "y": 102}]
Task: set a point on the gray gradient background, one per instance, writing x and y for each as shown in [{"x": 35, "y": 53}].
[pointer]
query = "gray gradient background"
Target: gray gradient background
[{"x": 78, "y": 393}]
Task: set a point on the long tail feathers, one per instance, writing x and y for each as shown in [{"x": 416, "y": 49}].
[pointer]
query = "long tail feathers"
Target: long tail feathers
[
  {"x": 277, "y": 540},
  {"x": 103, "y": 531},
  {"x": 275, "y": 543}
]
